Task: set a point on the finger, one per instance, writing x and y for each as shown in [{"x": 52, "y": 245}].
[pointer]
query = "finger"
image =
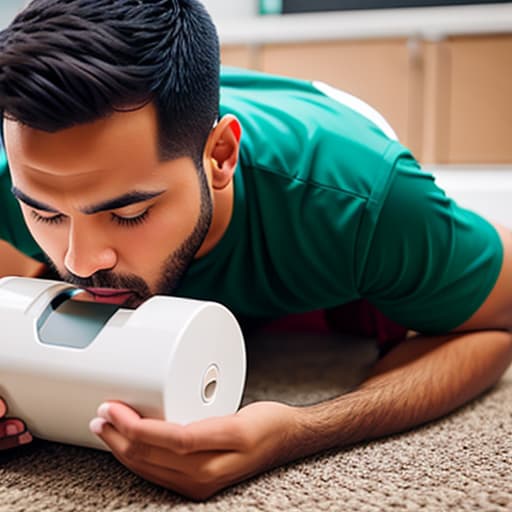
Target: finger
[
  {"x": 7, "y": 443},
  {"x": 200, "y": 484},
  {"x": 220, "y": 433},
  {"x": 201, "y": 466},
  {"x": 3, "y": 408},
  {"x": 119, "y": 446},
  {"x": 13, "y": 434},
  {"x": 136, "y": 450},
  {"x": 190, "y": 485},
  {"x": 170, "y": 479},
  {"x": 133, "y": 452},
  {"x": 11, "y": 427}
]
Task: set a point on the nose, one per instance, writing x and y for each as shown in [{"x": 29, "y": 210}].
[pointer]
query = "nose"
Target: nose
[{"x": 88, "y": 251}]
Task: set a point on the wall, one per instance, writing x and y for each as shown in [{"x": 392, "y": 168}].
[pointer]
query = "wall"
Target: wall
[
  {"x": 8, "y": 10},
  {"x": 225, "y": 9},
  {"x": 219, "y": 9},
  {"x": 441, "y": 76}
]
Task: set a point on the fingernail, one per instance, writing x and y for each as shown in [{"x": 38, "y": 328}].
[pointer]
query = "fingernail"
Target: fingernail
[
  {"x": 96, "y": 425},
  {"x": 25, "y": 438},
  {"x": 11, "y": 429},
  {"x": 103, "y": 411}
]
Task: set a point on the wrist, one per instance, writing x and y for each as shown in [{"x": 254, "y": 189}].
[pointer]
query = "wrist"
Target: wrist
[
  {"x": 341, "y": 421},
  {"x": 305, "y": 432},
  {"x": 288, "y": 437}
]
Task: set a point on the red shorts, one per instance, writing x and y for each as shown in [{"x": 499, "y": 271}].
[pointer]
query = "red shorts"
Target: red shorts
[{"x": 358, "y": 318}]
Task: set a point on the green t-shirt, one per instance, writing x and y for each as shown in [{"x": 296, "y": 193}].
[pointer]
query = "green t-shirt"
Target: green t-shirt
[
  {"x": 329, "y": 207},
  {"x": 12, "y": 226}
]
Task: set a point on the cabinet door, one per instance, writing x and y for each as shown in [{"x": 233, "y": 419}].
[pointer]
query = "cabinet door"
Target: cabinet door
[
  {"x": 377, "y": 71},
  {"x": 479, "y": 89}
]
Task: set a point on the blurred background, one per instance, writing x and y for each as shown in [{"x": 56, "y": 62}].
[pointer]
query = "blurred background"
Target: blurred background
[{"x": 440, "y": 72}]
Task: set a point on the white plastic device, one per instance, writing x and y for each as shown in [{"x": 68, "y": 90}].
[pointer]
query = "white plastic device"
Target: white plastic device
[{"x": 175, "y": 359}]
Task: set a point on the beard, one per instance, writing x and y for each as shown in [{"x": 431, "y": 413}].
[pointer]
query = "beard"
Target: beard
[{"x": 172, "y": 270}]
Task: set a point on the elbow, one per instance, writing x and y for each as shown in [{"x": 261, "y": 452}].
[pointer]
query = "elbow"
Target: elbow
[{"x": 503, "y": 350}]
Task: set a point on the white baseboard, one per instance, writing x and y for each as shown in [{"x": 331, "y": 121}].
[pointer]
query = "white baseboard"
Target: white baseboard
[{"x": 486, "y": 190}]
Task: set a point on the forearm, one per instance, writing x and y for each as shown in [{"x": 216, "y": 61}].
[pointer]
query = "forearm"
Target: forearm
[
  {"x": 14, "y": 263},
  {"x": 422, "y": 379}
]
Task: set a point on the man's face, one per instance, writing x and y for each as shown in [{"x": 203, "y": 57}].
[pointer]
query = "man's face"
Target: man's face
[{"x": 110, "y": 215}]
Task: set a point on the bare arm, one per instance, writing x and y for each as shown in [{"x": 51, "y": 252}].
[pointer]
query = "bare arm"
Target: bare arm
[
  {"x": 420, "y": 380},
  {"x": 14, "y": 263}
]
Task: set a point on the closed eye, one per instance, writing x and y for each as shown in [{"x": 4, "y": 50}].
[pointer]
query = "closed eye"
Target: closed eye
[
  {"x": 131, "y": 221},
  {"x": 53, "y": 220},
  {"x": 120, "y": 220}
]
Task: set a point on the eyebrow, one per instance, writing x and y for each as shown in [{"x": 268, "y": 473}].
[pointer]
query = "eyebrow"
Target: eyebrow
[{"x": 121, "y": 201}]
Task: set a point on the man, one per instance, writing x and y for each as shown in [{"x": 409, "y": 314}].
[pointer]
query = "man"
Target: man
[{"x": 125, "y": 174}]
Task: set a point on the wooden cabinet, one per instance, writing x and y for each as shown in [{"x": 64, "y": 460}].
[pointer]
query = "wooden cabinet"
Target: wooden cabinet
[
  {"x": 450, "y": 101},
  {"x": 377, "y": 71},
  {"x": 473, "y": 98},
  {"x": 239, "y": 56}
]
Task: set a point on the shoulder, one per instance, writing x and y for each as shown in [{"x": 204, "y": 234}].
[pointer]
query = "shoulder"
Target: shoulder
[
  {"x": 298, "y": 101},
  {"x": 309, "y": 131},
  {"x": 13, "y": 229}
]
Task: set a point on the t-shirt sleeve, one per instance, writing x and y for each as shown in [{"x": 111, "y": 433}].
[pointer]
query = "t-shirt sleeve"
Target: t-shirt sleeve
[
  {"x": 12, "y": 225},
  {"x": 429, "y": 264}
]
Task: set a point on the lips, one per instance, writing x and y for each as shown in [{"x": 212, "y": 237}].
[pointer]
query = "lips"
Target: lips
[{"x": 110, "y": 295}]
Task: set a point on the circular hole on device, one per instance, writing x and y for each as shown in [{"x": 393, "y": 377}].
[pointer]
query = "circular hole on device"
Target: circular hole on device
[
  {"x": 210, "y": 384},
  {"x": 209, "y": 390}
]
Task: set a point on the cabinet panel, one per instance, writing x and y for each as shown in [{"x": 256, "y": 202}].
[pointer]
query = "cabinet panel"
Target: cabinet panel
[
  {"x": 376, "y": 71},
  {"x": 449, "y": 101},
  {"x": 480, "y": 100},
  {"x": 239, "y": 56}
]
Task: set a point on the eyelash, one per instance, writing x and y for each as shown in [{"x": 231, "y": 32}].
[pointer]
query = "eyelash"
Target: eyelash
[
  {"x": 56, "y": 219},
  {"x": 131, "y": 221},
  {"x": 120, "y": 221}
]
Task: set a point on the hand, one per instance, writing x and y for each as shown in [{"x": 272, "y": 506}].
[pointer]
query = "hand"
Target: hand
[
  {"x": 13, "y": 431},
  {"x": 199, "y": 459}
]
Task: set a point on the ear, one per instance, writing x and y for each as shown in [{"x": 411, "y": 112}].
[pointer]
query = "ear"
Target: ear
[{"x": 221, "y": 152}]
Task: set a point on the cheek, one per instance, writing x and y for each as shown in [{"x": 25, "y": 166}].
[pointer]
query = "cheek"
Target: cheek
[
  {"x": 144, "y": 249},
  {"x": 150, "y": 244},
  {"x": 169, "y": 224},
  {"x": 52, "y": 240}
]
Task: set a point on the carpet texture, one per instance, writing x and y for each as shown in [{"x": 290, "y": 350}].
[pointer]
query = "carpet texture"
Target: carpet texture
[{"x": 461, "y": 463}]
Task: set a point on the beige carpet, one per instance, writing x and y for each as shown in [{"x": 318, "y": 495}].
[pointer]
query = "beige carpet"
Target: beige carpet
[{"x": 462, "y": 462}]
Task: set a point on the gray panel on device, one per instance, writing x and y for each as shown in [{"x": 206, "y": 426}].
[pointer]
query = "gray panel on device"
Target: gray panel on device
[{"x": 73, "y": 323}]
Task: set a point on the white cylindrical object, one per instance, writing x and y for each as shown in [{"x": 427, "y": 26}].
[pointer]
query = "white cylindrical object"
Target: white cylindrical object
[{"x": 175, "y": 359}]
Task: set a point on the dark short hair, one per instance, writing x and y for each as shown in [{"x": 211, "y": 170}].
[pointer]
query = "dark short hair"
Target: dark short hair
[{"x": 69, "y": 62}]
